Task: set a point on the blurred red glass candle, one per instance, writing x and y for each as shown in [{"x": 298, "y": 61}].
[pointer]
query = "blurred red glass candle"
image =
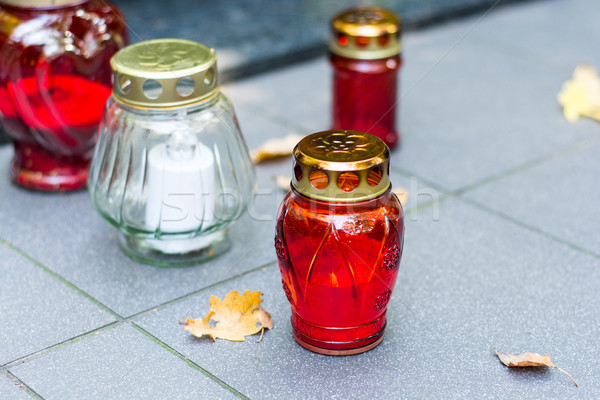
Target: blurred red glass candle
[
  {"x": 339, "y": 239},
  {"x": 365, "y": 55},
  {"x": 55, "y": 78}
]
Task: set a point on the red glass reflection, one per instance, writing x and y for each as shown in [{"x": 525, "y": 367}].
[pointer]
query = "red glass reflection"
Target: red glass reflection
[
  {"x": 339, "y": 263},
  {"x": 365, "y": 96},
  {"x": 55, "y": 77}
]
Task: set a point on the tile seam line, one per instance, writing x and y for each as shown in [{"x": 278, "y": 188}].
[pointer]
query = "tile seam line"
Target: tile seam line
[
  {"x": 26, "y": 388},
  {"x": 61, "y": 279},
  {"x": 530, "y": 228},
  {"x": 56, "y": 346},
  {"x": 274, "y": 117},
  {"x": 186, "y": 296},
  {"x": 557, "y": 154},
  {"x": 189, "y": 362}
]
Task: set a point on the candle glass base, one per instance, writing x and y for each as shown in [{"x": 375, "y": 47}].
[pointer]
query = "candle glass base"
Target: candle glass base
[
  {"x": 34, "y": 167},
  {"x": 306, "y": 335},
  {"x": 175, "y": 252}
]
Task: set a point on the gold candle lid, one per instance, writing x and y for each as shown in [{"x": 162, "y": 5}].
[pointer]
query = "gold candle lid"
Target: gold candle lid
[
  {"x": 164, "y": 73},
  {"x": 366, "y": 33},
  {"x": 40, "y": 3},
  {"x": 341, "y": 166}
]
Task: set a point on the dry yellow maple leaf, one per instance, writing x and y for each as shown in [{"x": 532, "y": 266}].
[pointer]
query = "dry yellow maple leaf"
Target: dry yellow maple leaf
[
  {"x": 274, "y": 148},
  {"x": 236, "y": 317},
  {"x": 580, "y": 96},
  {"x": 528, "y": 359}
]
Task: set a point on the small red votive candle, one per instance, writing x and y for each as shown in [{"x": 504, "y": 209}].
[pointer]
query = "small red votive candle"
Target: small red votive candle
[
  {"x": 365, "y": 55},
  {"x": 339, "y": 239}
]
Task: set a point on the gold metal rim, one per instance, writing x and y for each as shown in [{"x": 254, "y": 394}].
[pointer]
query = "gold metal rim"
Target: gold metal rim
[
  {"x": 366, "y": 33},
  {"x": 341, "y": 166},
  {"x": 154, "y": 73}
]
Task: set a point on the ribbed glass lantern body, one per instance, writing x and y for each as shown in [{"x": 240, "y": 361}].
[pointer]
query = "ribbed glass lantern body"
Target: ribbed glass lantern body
[
  {"x": 55, "y": 78},
  {"x": 171, "y": 180}
]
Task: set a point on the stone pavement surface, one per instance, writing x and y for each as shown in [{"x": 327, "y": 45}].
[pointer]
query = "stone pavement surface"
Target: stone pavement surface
[{"x": 502, "y": 243}]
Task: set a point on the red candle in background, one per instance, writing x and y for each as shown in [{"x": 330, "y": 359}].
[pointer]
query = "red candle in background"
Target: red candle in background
[
  {"x": 365, "y": 56},
  {"x": 339, "y": 238},
  {"x": 55, "y": 77}
]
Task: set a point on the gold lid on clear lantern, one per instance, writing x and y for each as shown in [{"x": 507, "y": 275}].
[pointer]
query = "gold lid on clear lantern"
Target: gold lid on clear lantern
[
  {"x": 164, "y": 73},
  {"x": 39, "y": 3},
  {"x": 365, "y": 33},
  {"x": 341, "y": 166}
]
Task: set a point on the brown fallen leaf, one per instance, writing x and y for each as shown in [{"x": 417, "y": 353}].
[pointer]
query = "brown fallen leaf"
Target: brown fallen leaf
[
  {"x": 580, "y": 96},
  {"x": 275, "y": 148},
  {"x": 282, "y": 182},
  {"x": 528, "y": 359},
  {"x": 236, "y": 317},
  {"x": 402, "y": 194}
]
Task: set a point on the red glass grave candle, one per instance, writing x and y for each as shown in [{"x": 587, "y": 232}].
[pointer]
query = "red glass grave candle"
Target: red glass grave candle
[
  {"x": 339, "y": 239},
  {"x": 365, "y": 55},
  {"x": 55, "y": 77}
]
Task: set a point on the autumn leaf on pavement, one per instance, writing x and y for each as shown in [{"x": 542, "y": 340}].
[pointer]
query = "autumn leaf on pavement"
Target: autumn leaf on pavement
[
  {"x": 234, "y": 318},
  {"x": 283, "y": 182},
  {"x": 580, "y": 96},
  {"x": 402, "y": 195},
  {"x": 528, "y": 359},
  {"x": 275, "y": 148}
]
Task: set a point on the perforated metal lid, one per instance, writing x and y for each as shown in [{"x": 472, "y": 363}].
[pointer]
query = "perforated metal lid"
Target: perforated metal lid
[
  {"x": 365, "y": 33},
  {"x": 164, "y": 73},
  {"x": 341, "y": 166}
]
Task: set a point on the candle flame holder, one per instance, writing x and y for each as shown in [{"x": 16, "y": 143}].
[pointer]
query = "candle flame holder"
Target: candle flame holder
[{"x": 171, "y": 170}]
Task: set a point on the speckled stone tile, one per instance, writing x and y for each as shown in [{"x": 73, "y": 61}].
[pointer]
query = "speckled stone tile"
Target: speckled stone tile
[
  {"x": 494, "y": 283},
  {"x": 558, "y": 197},
  {"x": 443, "y": 140},
  {"x": 121, "y": 363},
  {"x": 554, "y": 33},
  {"x": 299, "y": 96},
  {"x": 37, "y": 310},
  {"x": 86, "y": 252},
  {"x": 470, "y": 111},
  {"x": 10, "y": 390}
]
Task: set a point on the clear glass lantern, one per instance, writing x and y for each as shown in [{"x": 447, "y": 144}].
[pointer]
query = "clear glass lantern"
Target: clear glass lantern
[{"x": 171, "y": 170}]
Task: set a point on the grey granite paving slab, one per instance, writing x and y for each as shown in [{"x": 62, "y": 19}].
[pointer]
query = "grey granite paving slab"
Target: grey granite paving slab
[
  {"x": 10, "y": 391},
  {"x": 469, "y": 111},
  {"x": 444, "y": 140},
  {"x": 120, "y": 363},
  {"x": 299, "y": 96},
  {"x": 64, "y": 233},
  {"x": 37, "y": 310},
  {"x": 492, "y": 283},
  {"x": 559, "y": 197},
  {"x": 554, "y": 32}
]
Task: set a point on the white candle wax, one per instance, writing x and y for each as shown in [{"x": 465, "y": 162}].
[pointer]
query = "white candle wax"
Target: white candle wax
[{"x": 180, "y": 180}]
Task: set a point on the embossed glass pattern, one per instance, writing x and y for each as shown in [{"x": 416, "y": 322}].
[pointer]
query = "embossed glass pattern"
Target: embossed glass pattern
[
  {"x": 170, "y": 179},
  {"x": 339, "y": 260}
]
